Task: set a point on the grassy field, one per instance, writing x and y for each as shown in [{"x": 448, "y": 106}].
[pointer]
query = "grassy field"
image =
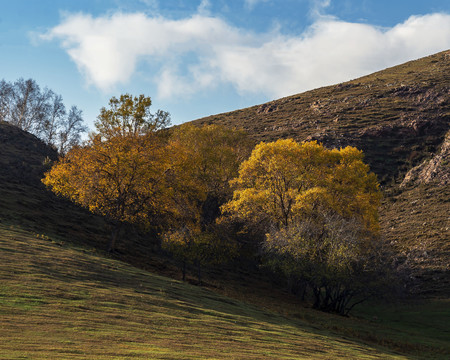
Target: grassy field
[{"x": 64, "y": 302}]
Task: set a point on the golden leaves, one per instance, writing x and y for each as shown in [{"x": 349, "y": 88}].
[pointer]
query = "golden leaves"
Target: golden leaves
[{"x": 285, "y": 180}]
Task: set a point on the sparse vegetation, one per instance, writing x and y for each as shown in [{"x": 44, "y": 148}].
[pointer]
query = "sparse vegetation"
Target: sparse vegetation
[{"x": 398, "y": 117}]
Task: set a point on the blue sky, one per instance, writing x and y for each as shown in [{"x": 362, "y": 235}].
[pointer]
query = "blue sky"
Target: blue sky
[{"x": 197, "y": 58}]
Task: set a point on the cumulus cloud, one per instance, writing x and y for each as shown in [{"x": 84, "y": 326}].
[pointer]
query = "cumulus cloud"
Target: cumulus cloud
[
  {"x": 318, "y": 7},
  {"x": 204, "y": 7},
  {"x": 201, "y": 52}
]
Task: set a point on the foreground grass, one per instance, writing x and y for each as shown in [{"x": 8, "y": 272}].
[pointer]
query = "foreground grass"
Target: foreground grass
[{"x": 59, "y": 302}]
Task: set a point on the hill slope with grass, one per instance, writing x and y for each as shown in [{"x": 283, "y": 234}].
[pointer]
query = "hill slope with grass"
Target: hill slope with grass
[
  {"x": 63, "y": 301},
  {"x": 24, "y": 200},
  {"x": 400, "y": 118}
]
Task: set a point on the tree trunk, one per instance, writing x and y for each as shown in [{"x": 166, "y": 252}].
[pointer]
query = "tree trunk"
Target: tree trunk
[
  {"x": 303, "y": 289},
  {"x": 199, "y": 273},
  {"x": 316, "y": 292},
  {"x": 183, "y": 270},
  {"x": 114, "y": 235}
]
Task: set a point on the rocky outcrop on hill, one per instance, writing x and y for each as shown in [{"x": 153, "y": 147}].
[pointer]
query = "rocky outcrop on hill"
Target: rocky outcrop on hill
[{"x": 435, "y": 170}]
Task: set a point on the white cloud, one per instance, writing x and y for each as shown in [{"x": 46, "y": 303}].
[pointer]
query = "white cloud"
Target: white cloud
[
  {"x": 318, "y": 7},
  {"x": 203, "y": 8},
  {"x": 201, "y": 52}
]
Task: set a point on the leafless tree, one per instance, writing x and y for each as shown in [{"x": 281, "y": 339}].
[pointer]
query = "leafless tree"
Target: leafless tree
[
  {"x": 71, "y": 129},
  {"x": 42, "y": 113}
]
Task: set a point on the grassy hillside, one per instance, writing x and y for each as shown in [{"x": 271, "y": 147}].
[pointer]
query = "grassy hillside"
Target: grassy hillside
[
  {"x": 61, "y": 302},
  {"x": 417, "y": 222},
  {"x": 24, "y": 200}
]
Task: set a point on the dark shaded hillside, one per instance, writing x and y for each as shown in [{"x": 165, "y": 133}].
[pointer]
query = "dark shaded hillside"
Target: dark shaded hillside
[
  {"x": 25, "y": 202},
  {"x": 398, "y": 116},
  {"x": 22, "y": 156}
]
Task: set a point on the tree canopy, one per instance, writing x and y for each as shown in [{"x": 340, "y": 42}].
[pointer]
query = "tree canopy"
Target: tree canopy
[
  {"x": 120, "y": 171},
  {"x": 203, "y": 161},
  {"x": 318, "y": 209},
  {"x": 130, "y": 116},
  {"x": 284, "y": 181}
]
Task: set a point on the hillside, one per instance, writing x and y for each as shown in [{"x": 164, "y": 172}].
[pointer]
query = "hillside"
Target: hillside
[
  {"x": 58, "y": 302},
  {"x": 25, "y": 202},
  {"x": 400, "y": 118}
]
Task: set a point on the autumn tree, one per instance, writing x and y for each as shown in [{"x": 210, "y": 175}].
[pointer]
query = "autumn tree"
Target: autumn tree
[
  {"x": 338, "y": 260},
  {"x": 130, "y": 116},
  {"x": 203, "y": 161},
  {"x": 284, "y": 180},
  {"x": 318, "y": 209},
  {"x": 119, "y": 172}
]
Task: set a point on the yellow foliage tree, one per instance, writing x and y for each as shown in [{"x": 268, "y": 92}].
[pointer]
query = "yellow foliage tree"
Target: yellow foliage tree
[
  {"x": 319, "y": 210},
  {"x": 120, "y": 172},
  {"x": 203, "y": 161},
  {"x": 130, "y": 116},
  {"x": 284, "y": 181}
]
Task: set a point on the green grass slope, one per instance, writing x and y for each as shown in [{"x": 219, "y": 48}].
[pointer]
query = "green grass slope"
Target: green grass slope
[{"x": 65, "y": 302}]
